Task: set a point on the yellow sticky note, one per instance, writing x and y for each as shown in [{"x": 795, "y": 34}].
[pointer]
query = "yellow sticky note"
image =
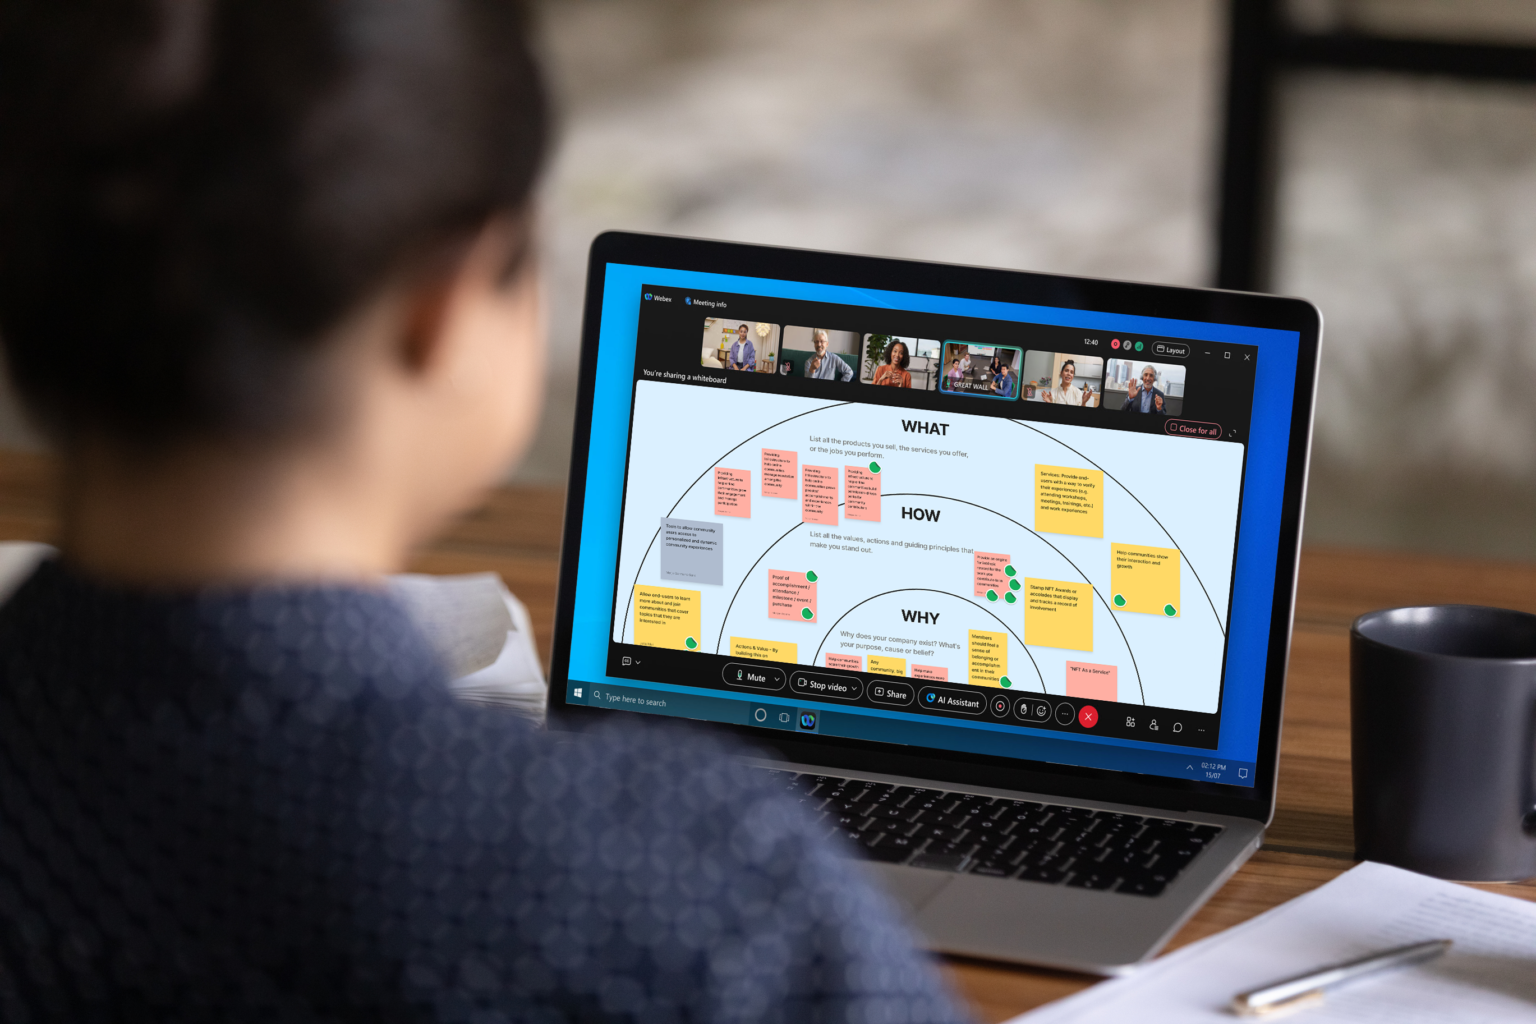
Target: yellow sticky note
[
  {"x": 667, "y": 617},
  {"x": 1069, "y": 500},
  {"x": 887, "y": 666},
  {"x": 1143, "y": 579},
  {"x": 764, "y": 650},
  {"x": 1058, "y": 614},
  {"x": 988, "y": 660}
]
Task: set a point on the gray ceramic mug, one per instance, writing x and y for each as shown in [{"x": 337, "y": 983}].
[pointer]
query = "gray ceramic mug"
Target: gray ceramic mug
[{"x": 1443, "y": 721}]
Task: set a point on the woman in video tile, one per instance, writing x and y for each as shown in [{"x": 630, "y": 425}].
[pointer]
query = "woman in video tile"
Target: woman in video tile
[
  {"x": 1067, "y": 393},
  {"x": 956, "y": 373},
  {"x": 893, "y": 372},
  {"x": 743, "y": 356}
]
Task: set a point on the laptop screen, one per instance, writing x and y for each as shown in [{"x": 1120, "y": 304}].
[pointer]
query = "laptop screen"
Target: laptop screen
[{"x": 1026, "y": 532}]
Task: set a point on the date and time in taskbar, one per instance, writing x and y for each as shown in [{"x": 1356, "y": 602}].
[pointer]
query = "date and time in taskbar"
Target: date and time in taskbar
[{"x": 741, "y": 709}]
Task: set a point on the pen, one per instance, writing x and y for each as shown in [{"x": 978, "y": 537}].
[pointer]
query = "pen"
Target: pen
[{"x": 1307, "y": 989}]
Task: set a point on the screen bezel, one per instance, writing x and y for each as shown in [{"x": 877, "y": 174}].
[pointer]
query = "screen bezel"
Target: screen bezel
[{"x": 1094, "y": 784}]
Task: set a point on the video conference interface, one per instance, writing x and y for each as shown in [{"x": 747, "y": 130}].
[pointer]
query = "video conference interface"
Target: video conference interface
[{"x": 930, "y": 517}]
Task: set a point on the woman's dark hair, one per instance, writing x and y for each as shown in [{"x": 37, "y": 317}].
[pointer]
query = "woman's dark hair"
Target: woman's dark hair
[
  {"x": 194, "y": 192},
  {"x": 890, "y": 354}
]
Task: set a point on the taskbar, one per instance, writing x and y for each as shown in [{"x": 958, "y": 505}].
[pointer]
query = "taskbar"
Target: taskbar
[
  {"x": 737, "y": 709},
  {"x": 1014, "y": 707}
]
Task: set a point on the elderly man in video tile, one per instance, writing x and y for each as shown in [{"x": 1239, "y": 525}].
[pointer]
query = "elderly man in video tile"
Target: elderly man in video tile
[{"x": 1145, "y": 396}]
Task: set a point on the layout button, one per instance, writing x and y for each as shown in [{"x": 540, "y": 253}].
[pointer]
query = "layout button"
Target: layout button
[
  {"x": 888, "y": 691},
  {"x": 1170, "y": 349},
  {"x": 826, "y": 684},
  {"x": 954, "y": 702},
  {"x": 752, "y": 677}
]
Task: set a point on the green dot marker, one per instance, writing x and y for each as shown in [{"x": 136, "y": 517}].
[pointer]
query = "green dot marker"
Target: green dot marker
[
  {"x": 1013, "y": 584},
  {"x": 1169, "y": 609},
  {"x": 991, "y": 595},
  {"x": 806, "y": 613},
  {"x": 691, "y": 644},
  {"x": 1006, "y": 681},
  {"x": 1119, "y": 600},
  {"x": 810, "y": 577},
  {"x": 1009, "y": 597},
  {"x": 874, "y": 467},
  {"x": 1010, "y": 570}
]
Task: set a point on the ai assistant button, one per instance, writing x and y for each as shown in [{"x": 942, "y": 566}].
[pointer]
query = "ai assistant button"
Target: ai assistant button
[{"x": 954, "y": 702}]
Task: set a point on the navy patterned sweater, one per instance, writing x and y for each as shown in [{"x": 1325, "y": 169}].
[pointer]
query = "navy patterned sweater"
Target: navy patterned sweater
[{"x": 263, "y": 804}]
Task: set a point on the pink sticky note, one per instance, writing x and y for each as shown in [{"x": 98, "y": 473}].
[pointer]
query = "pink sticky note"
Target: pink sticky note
[
  {"x": 930, "y": 672},
  {"x": 790, "y": 594},
  {"x": 780, "y": 470},
  {"x": 818, "y": 495},
  {"x": 733, "y": 492},
  {"x": 853, "y": 662},
  {"x": 990, "y": 574},
  {"x": 1097, "y": 682},
  {"x": 861, "y": 494}
]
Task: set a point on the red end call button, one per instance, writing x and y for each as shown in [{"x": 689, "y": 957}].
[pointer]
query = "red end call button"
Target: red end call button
[
  {"x": 1193, "y": 428},
  {"x": 1088, "y": 717}
]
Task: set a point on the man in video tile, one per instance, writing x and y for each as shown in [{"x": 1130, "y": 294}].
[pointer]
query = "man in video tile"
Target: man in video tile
[
  {"x": 1003, "y": 379},
  {"x": 825, "y": 365},
  {"x": 743, "y": 355},
  {"x": 1146, "y": 397}
]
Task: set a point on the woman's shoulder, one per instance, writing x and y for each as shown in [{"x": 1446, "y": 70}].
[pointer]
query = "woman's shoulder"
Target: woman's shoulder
[{"x": 293, "y": 649}]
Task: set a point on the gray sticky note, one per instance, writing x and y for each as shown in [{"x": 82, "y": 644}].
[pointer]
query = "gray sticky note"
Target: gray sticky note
[{"x": 692, "y": 551}]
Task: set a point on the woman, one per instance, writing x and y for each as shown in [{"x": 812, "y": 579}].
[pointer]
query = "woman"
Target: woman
[
  {"x": 266, "y": 277},
  {"x": 892, "y": 373},
  {"x": 1067, "y": 393},
  {"x": 742, "y": 357}
]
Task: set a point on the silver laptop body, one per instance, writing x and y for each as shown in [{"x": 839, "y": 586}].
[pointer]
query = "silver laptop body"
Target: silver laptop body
[{"x": 1107, "y": 718}]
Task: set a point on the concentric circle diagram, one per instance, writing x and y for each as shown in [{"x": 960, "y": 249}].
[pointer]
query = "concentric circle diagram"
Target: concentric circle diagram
[{"x": 1074, "y": 560}]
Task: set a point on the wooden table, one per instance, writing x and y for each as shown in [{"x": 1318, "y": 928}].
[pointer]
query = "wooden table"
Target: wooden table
[{"x": 517, "y": 533}]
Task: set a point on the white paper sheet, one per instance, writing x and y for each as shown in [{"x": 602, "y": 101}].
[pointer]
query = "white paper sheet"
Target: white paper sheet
[
  {"x": 1489, "y": 977},
  {"x": 483, "y": 634}
]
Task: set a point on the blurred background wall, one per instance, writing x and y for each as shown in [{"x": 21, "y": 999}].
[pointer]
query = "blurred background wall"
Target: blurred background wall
[{"x": 1082, "y": 136}]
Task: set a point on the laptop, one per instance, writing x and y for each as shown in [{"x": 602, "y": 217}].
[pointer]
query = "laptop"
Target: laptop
[{"x": 993, "y": 570}]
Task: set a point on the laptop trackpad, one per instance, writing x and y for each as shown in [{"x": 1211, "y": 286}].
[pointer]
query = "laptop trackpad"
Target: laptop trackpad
[{"x": 914, "y": 887}]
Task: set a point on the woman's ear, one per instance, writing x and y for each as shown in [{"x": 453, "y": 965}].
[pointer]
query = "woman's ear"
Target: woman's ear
[
  {"x": 422, "y": 322},
  {"x": 490, "y": 258}
]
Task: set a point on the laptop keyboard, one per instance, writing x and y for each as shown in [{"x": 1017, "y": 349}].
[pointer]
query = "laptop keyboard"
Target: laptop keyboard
[{"x": 1002, "y": 838}]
